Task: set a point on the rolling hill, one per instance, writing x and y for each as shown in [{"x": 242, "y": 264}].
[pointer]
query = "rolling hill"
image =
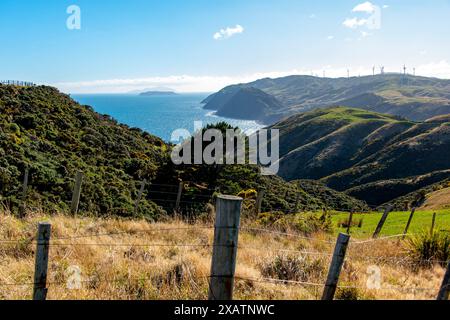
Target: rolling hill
[
  {"x": 414, "y": 98},
  {"x": 54, "y": 136},
  {"x": 371, "y": 156}
]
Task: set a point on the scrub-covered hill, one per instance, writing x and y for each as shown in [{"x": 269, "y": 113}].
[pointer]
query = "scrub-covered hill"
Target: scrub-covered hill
[
  {"x": 414, "y": 98},
  {"x": 54, "y": 137},
  {"x": 371, "y": 156}
]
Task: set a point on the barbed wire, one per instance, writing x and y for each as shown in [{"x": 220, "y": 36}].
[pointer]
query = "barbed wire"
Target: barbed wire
[
  {"x": 301, "y": 252},
  {"x": 287, "y": 234}
]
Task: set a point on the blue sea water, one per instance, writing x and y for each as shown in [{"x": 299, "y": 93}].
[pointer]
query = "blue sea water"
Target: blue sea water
[{"x": 158, "y": 115}]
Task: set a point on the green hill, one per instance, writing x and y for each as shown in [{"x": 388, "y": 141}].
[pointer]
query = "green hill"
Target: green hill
[
  {"x": 251, "y": 103},
  {"x": 414, "y": 98},
  {"x": 371, "y": 156},
  {"x": 52, "y": 135}
]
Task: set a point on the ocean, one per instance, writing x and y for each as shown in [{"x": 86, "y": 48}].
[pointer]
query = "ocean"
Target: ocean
[{"x": 159, "y": 115}]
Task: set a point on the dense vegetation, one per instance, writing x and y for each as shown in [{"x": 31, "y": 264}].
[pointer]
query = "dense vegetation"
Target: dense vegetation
[
  {"x": 414, "y": 98},
  {"x": 54, "y": 137}
]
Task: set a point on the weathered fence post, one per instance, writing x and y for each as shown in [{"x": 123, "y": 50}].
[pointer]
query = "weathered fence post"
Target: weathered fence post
[
  {"x": 382, "y": 221},
  {"x": 139, "y": 197},
  {"x": 22, "y": 206},
  {"x": 336, "y": 266},
  {"x": 76, "y": 193},
  {"x": 433, "y": 222},
  {"x": 350, "y": 218},
  {"x": 178, "y": 201},
  {"x": 444, "y": 292},
  {"x": 411, "y": 215},
  {"x": 226, "y": 232},
  {"x": 41, "y": 263},
  {"x": 259, "y": 200}
]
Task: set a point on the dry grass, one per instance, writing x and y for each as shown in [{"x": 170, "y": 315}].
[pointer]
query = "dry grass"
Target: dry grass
[
  {"x": 142, "y": 261},
  {"x": 437, "y": 200}
]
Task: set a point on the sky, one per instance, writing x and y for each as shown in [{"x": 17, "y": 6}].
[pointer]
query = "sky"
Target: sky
[{"x": 98, "y": 46}]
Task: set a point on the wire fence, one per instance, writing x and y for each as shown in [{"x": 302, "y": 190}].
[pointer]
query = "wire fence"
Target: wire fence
[
  {"x": 57, "y": 242},
  {"x": 172, "y": 197}
]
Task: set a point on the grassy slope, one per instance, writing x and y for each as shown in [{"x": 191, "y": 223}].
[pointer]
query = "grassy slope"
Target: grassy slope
[
  {"x": 130, "y": 266},
  {"x": 371, "y": 156},
  {"x": 437, "y": 200},
  {"x": 396, "y": 222},
  {"x": 48, "y": 132}
]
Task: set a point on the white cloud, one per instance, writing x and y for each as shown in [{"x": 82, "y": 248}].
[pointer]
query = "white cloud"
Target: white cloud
[
  {"x": 179, "y": 83},
  {"x": 330, "y": 37},
  {"x": 365, "y": 34},
  {"x": 228, "y": 32},
  {"x": 367, "y": 7},
  {"x": 439, "y": 69},
  {"x": 312, "y": 16},
  {"x": 385, "y": 6},
  {"x": 189, "y": 83},
  {"x": 353, "y": 23}
]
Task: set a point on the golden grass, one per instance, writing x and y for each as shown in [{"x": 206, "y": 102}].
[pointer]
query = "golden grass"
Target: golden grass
[
  {"x": 437, "y": 200},
  {"x": 142, "y": 261}
]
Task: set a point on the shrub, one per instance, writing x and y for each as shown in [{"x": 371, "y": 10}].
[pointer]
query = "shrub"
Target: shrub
[
  {"x": 306, "y": 223},
  {"x": 355, "y": 223},
  {"x": 292, "y": 268},
  {"x": 347, "y": 293},
  {"x": 425, "y": 248}
]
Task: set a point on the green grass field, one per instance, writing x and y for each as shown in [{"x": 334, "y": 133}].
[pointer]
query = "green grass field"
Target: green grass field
[{"x": 395, "y": 223}]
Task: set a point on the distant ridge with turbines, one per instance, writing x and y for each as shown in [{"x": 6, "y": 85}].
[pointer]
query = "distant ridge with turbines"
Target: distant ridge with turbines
[{"x": 412, "y": 97}]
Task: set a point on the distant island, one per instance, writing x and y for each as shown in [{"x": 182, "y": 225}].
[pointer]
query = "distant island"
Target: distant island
[{"x": 158, "y": 93}]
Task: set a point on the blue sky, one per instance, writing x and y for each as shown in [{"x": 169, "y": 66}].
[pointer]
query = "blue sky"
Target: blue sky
[{"x": 126, "y": 45}]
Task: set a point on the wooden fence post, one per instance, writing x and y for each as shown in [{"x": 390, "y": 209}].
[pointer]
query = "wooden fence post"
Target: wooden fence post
[
  {"x": 444, "y": 292},
  {"x": 22, "y": 206},
  {"x": 350, "y": 218},
  {"x": 178, "y": 201},
  {"x": 411, "y": 215},
  {"x": 259, "y": 200},
  {"x": 433, "y": 222},
  {"x": 41, "y": 263},
  {"x": 336, "y": 266},
  {"x": 139, "y": 197},
  {"x": 226, "y": 232},
  {"x": 76, "y": 193},
  {"x": 382, "y": 221}
]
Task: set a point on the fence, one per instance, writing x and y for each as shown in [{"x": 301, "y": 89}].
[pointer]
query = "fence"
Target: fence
[
  {"x": 224, "y": 251},
  {"x": 225, "y": 247}
]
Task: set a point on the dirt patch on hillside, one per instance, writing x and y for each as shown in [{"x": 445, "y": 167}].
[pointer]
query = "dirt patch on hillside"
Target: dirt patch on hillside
[{"x": 437, "y": 200}]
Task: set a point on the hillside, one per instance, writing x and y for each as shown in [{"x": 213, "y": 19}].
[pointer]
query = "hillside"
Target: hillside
[
  {"x": 52, "y": 135},
  {"x": 414, "y": 98},
  {"x": 371, "y": 156},
  {"x": 137, "y": 260},
  {"x": 437, "y": 200},
  {"x": 431, "y": 197},
  {"x": 251, "y": 103}
]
